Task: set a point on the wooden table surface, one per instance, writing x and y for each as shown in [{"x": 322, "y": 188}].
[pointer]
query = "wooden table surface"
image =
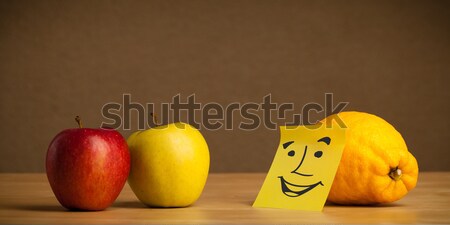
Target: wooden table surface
[{"x": 227, "y": 198}]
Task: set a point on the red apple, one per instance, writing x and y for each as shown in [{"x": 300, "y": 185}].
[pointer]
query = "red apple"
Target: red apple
[{"x": 87, "y": 168}]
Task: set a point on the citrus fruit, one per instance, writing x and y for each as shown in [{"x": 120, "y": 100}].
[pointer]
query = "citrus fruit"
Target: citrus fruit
[{"x": 376, "y": 166}]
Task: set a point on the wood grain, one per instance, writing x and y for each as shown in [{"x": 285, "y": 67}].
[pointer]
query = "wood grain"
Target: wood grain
[{"x": 227, "y": 198}]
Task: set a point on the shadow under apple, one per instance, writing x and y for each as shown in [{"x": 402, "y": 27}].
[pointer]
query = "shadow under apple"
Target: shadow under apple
[
  {"x": 41, "y": 208},
  {"x": 129, "y": 204}
]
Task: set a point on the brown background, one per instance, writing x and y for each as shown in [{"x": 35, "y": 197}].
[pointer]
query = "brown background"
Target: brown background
[{"x": 59, "y": 59}]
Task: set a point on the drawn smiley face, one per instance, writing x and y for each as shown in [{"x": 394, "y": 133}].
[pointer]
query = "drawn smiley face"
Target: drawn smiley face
[
  {"x": 303, "y": 167},
  {"x": 294, "y": 190}
]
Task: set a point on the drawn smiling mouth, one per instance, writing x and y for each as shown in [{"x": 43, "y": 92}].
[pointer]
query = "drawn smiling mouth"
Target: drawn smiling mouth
[{"x": 287, "y": 187}]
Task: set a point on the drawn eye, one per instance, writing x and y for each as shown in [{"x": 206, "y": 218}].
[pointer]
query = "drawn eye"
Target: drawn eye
[
  {"x": 291, "y": 153},
  {"x": 318, "y": 154}
]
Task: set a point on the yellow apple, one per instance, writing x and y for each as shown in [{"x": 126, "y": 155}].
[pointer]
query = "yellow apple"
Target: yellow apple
[{"x": 169, "y": 165}]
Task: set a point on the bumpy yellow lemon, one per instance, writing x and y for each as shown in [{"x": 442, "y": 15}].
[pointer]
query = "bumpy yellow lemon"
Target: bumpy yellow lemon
[{"x": 376, "y": 166}]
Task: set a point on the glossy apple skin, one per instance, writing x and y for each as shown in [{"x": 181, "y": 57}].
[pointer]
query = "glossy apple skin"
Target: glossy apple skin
[
  {"x": 169, "y": 165},
  {"x": 87, "y": 168}
]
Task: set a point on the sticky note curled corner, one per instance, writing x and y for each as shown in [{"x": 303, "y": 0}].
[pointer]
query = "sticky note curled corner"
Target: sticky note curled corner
[{"x": 303, "y": 168}]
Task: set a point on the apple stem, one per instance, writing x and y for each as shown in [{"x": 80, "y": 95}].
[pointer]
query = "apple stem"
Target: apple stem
[
  {"x": 155, "y": 118},
  {"x": 78, "y": 119}
]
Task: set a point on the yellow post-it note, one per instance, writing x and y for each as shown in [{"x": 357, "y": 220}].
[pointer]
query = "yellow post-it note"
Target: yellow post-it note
[{"x": 303, "y": 169}]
